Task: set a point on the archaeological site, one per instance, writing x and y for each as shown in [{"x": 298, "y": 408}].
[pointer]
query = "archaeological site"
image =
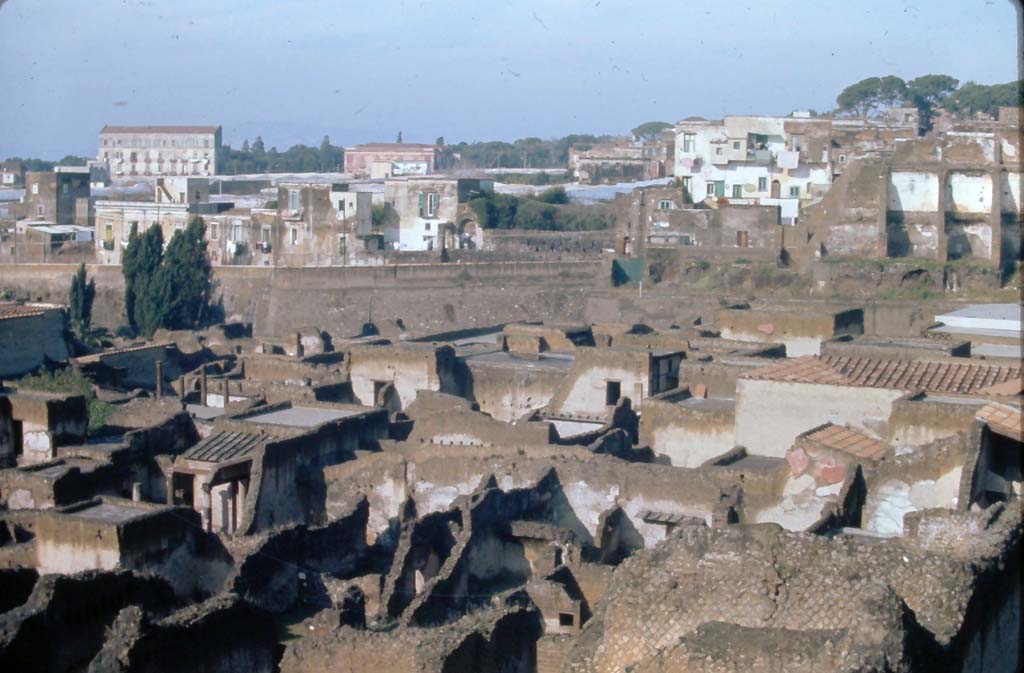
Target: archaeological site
[{"x": 736, "y": 392}]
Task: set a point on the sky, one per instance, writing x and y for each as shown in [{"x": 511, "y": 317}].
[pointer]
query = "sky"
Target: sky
[{"x": 295, "y": 70}]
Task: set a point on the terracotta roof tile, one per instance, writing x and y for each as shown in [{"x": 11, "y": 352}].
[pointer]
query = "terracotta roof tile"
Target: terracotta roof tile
[
  {"x": 849, "y": 441},
  {"x": 12, "y": 311},
  {"x": 1002, "y": 419},
  {"x": 935, "y": 377}
]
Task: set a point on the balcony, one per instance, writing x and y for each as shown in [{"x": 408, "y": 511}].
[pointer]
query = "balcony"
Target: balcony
[{"x": 763, "y": 157}]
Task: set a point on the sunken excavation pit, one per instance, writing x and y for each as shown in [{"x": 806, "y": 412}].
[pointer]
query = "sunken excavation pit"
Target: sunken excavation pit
[{"x": 529, "y": 498}]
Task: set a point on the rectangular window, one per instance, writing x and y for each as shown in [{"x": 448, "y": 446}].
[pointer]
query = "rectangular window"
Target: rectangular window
[
  {"x": 735, "y": 144},
  {"x": 794, "y": 191},
  {"x": 428, "y": 204},
  {"x": 214, "y": 231},
  {"x": 612, "y": 392},
  {"x": 718, "y": 150},
  {"x": 665, "y": 204},
  {"x": 265, "y": 235},
  {"x": 35, "y": 188},
  {"x": 686, "y": 184},
  {"x": 108, "y": 233},
  {"x": 711, "y": 189},
  {"x": 797, "y": 141},
  {"x": 426, "y": 226},
  {"x": 293, "y": 200},
  {"x": 689, "y": 142},
  {"x": 40, "y": 210},
  {"x": 842, "y": 158},
  {"x": 565, "y": 619},
  {"x": 762, "y": 184},
  {"x": 294, "y": 235},
  {"x": 236, "y": 233},
  {"x": 64, "y": 188},
  {"x": 742, "y": 239},
  {"x": 737, "y": 191}
]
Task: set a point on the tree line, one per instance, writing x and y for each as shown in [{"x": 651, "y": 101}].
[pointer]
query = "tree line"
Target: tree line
[{"x": 927, "y": 93}]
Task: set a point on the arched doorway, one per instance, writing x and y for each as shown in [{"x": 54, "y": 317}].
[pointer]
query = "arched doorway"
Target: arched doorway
[{"x": 776, "y": 189}]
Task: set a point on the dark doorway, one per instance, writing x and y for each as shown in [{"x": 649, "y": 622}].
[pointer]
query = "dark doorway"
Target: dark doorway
[{"x": 612, "y": 392}]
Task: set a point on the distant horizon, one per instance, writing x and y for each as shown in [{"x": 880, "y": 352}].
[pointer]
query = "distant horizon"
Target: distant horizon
[{"x": 297, "y": 72}]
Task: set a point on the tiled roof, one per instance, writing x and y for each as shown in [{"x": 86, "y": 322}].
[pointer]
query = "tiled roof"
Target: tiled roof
[
  {"x": 160, "y": 129},
  {"x": 1003, "y": 419},
  {"x": 847, "y": 440},
  {"x": 934, "y": 377},
  {"x": 224, "y": 446},
  {"x": 11, "y": 311}
]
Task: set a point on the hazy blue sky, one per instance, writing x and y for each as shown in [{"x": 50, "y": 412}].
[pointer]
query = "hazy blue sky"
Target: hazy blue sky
[{"x": 293, "y": 70}]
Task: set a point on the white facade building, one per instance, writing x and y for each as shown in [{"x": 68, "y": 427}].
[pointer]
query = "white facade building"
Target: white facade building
[
  {"x": 781, "y": 161},
  {"x": 130, "y": 151}
]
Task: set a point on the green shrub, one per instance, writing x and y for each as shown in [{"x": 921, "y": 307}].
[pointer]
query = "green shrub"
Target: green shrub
[{"x": 69, "y": 381}]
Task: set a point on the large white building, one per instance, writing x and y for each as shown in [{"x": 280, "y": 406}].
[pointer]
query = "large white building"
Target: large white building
[
  {"x": 783, "y": 161},
  {"x": 130, "y": 151}
]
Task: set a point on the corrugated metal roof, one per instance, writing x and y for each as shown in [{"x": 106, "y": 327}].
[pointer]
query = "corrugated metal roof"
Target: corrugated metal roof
[
  {"x": 224, "y": 446},
  {"x": 849, "y": 441},
  {"x": 937, "y": 377}
]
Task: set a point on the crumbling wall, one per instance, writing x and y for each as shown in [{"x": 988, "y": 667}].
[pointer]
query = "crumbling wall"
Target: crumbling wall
[
  {"x": 73, "y": 611},
  {"x": 221, "y": 635},
  {"x": 27, "y": 343}
]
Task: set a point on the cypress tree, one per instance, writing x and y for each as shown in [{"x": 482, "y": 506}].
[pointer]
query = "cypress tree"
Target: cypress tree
[
  {"x": 150, "y": 304},
  {"x": 183, "y": 285},
  {"x": 128, "y": 270},
  {"x": 80, "y": 303}
]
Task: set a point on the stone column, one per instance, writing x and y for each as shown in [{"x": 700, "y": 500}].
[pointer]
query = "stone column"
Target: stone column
[
  {"x": 298, "y": 345},
  {"x": 181, "y": 388},
  {"x": 169, "y": 479},
  {"x": 243, "y": 492},
  {"x": 136, "y": 491},
  {"x": 233, "y": 506},
  {"x": 202, "y": 386},
  {"x": 206, "y": 505},
  {"x": 227, "y": 391}
]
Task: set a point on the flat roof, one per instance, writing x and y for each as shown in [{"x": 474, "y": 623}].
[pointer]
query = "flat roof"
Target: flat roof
[
  {"x": 708, "y": 403},
  {"x": 109, "y": 512},
  {"x": 984, "y": 316},
  {"x": 561, "y": 361},
  {"x": 159, "y": 129},
  {"x": 299, "y": 416}
]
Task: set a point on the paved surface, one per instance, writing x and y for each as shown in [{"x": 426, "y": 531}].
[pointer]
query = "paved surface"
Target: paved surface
[
  {"x": 300, "y": 417},
  {"x": 544, "y": 361},
  {"x": 109, "y": 513}
]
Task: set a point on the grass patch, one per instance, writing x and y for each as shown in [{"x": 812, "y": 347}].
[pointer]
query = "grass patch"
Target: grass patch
[{"x": 70, "y": 382}]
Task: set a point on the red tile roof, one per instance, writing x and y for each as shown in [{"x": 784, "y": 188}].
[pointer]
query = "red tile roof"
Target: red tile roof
[
  {"x": 847, "y": 440},
  {"x": 1002, "y": 419},
  {"x": 13, "y": 311},
  {"x": 934, "y": 377}
]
